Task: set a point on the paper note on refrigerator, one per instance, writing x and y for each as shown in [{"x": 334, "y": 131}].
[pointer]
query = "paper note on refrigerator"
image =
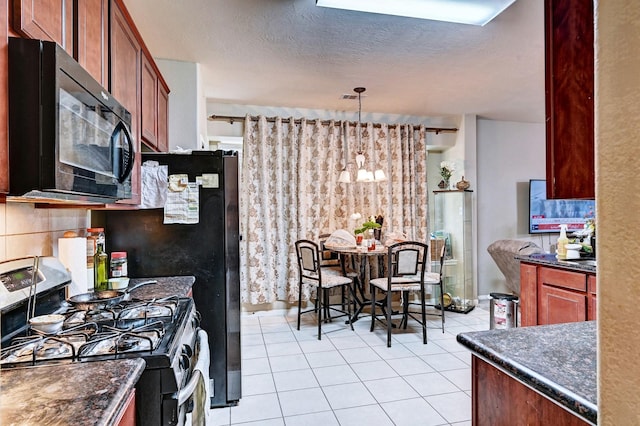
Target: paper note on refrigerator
[{"x": 183, "y": 206}]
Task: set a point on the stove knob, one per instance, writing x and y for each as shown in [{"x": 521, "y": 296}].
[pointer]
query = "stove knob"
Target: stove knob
[{"x": 186, "y": 350}]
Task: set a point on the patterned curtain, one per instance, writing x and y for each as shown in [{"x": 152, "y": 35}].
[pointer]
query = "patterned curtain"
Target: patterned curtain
[{"x": 289, "y": 190}]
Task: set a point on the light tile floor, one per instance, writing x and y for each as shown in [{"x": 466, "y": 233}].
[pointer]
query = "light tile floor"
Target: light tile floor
[{"x": 350, "y": 377}]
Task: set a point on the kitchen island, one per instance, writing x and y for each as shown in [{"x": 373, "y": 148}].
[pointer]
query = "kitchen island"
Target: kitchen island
[
  {"x": 556, "y": 291},
  {"x": 534, "y": 375},
  {"x": 91, "y": 393}
]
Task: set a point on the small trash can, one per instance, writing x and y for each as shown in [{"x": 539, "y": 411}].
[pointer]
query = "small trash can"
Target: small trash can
[{"x": 503, "y": 311}]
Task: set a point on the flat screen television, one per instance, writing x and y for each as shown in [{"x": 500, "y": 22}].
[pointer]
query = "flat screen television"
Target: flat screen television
[{"x": 546, "y": 216}]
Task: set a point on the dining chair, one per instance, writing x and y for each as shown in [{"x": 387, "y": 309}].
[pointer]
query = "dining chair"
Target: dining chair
[
  {"x": 406, "y": 264},
  {"x": 337, "y": 264},
  {"x": 311, "y": 273},
  {"x": 436, "y": 281}
]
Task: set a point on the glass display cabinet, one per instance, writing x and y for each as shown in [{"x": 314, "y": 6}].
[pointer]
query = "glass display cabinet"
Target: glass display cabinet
[{"x": 453, "y": 224}]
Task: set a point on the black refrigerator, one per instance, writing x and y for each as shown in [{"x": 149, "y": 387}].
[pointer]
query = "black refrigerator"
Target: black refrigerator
[{"x": 208, "y": 250}]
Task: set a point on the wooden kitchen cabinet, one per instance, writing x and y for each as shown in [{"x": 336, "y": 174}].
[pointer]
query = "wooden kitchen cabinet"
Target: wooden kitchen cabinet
[
  {"x": 155, "y": 106},
  {"x": 528, "y": 295},
  {"x": 124, "y": 71},
  {"x": 45, "y": 20},
  {"x": 91, "y": 32},
  {"x": 498, "y": 399},
  {"x": 554, "y": 295},
  {"x": 149, "y": 116},
  {"x": 569, "y": 81},
  {"x": 591, "y": 301},
  {"x": 103, "y": 38},
  {"x": 163, "y": 116},
  {"x": 556, "y": 305},
  {"x": 128, "y": 417}
]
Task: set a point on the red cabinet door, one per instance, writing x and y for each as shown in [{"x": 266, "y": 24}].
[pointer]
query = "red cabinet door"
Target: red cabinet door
[
  {"x": 45, "y": 20},
  {"x": 92, "y": 38},
  {"x": 125, "y": 80},
  {"x": 149, "y": 107},
  {"x": 556, "y": 305},
  {"x": 592, "y": 311},
  {"x": 528, "y": 295}
]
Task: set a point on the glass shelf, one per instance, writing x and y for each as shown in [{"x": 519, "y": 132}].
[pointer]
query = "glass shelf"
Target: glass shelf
[{"x": 453, "y": 222}]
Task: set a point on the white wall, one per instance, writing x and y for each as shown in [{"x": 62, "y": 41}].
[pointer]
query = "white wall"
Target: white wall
[
  {"x": 509, "y": 154},
  {"x": 187, "y": 105}
]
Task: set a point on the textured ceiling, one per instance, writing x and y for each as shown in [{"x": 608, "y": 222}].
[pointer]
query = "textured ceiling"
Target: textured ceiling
[{"x": 290, "y": 53}]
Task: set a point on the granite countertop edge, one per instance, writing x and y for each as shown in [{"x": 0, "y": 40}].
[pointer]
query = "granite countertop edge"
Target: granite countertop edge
[
  {"x": 123, "y": 393},
  {"x": 550, "y": 260},
  {"x": 545, "y": 386},
  {"x": 558, "y": 361},
  {"x": 91, "y": 393}
]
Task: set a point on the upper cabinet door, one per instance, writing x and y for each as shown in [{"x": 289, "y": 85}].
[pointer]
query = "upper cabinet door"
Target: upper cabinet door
[
  {"x": 45, "y": 20},
  {"x": 149, "y": 112},
  {"x": 125, "y": 61},
  {"x": 569, "y": 30},
  {"x": 92, "y": 38},
  {"x": 163, "y": 117}
]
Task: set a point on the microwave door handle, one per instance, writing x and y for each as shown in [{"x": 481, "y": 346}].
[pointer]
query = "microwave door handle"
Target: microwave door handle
[{"x": 128, "y": 166}]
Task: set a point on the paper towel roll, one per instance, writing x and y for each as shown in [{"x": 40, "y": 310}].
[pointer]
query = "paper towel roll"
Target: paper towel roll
[{"x": 72, "y": 252}]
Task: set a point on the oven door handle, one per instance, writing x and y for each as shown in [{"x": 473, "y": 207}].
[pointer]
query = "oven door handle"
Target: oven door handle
[
  {"x": 200, "y": 369},
  {"x": 186, "y": 392}
]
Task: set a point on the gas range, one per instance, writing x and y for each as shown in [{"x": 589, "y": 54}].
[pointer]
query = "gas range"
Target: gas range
[
  {"x": 164, "y": 332},
  {"x": 134, "y": 328}
]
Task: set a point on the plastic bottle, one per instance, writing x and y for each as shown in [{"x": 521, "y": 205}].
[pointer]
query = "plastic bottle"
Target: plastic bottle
[
  {"x": 100, "y": 261},
  {"x": 562, "y": 243}
]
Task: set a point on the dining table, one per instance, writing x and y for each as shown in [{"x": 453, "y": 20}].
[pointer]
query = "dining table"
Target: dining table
[{"x": 366, "y": 258}]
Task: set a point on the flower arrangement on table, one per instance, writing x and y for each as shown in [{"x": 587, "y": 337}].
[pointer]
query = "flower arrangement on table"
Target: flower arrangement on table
[
  {"x": 372, "y": 228},
  {"x": 446, "y": 171},
  {"x": 371, "y": 224}
]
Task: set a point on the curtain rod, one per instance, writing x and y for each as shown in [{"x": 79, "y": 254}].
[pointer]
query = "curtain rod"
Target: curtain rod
[{"x": 231, "y": 119}]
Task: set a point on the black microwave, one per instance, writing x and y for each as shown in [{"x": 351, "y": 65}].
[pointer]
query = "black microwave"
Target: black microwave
[{"x": 69, "y": 139}]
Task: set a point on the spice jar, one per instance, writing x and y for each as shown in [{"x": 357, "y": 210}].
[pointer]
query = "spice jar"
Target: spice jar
[{"x": 118, "y": 265}]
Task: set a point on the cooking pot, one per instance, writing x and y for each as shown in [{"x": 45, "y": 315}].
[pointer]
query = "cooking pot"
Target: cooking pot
[{"x": 102, "y": 299}]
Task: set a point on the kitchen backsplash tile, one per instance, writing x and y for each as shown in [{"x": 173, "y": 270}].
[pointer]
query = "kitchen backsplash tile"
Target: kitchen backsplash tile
[
  {"x": 3, "y": 218},
  {"x": 26, "y": 230},
  {"x": 66, "y": 219},
  {"x": 3, "y": 251},
  {"x": 24, "y": 218},
  {"x": 39, "y": 244}
]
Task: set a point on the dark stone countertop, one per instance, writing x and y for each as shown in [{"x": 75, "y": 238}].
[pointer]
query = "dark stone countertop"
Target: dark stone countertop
[
  {"x": 165, "y": 287},
  {"x": 550, "y": 260},
  {"x": 558, "y": 361},
  {"x": 86, "y": 393}
]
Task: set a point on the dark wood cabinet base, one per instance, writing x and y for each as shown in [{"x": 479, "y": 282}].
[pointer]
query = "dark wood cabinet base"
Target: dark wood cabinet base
[{"x": 498, "y": 399}]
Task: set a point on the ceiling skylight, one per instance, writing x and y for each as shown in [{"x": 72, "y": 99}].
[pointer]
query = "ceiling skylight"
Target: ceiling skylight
[{"x": 474, "y": 12}]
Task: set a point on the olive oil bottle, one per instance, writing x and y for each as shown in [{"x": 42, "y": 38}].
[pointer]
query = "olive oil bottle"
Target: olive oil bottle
[{"x": 100, "y": 260}]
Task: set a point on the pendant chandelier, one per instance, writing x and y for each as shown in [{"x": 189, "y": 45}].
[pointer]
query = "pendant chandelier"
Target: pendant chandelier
[{"x": 363, "y": 175}]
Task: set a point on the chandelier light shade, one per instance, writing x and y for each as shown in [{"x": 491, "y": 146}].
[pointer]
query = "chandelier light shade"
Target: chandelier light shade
[
  {"x": 363, "y": 174},
  {"x": 473, "y": 12},
  {"x": 345, "y": 176}
]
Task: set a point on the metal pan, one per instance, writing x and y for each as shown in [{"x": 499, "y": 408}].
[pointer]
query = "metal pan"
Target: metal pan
[{"x": 102, "y": 299}]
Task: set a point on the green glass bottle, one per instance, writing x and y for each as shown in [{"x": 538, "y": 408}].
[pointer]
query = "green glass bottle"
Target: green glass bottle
[{"x": 100, "y": 260}]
